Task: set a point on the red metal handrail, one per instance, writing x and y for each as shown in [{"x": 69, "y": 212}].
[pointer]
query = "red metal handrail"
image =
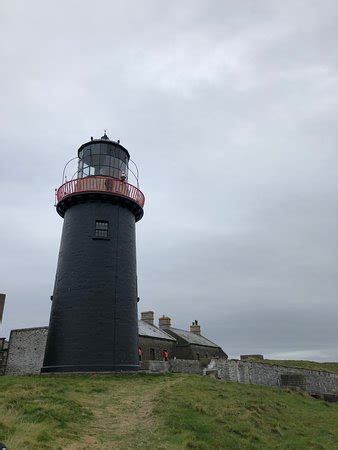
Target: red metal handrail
[{"x": 100, "y": 184}]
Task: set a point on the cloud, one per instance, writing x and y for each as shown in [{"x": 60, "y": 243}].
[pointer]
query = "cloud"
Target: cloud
[{"x": 229, "y": 110}]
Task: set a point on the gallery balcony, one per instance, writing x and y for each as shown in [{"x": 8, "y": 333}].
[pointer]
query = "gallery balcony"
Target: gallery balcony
[{"x": 108, "y": 187}]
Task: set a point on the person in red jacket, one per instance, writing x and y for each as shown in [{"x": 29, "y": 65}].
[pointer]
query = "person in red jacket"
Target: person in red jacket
[{"x": 165, "y": 355}]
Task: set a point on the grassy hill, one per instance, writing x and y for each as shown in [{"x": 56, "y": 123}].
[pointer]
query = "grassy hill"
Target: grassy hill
[
  {"x": 311, "y": 365},
  {"x": 159, "y": 412}
]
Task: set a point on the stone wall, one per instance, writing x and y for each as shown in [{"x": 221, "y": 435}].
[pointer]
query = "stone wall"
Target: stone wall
[
  {"x": 174, "y": 366},
  {"x": 251, "y": 357},
  {"x": 26, "y": 351},
  {"x": 204, "y": 353},
  {"x": 186, "y": 366},
  {"x": 158, "y": 345},
  {"x": 251, "y": 372},
  {"x": 157, "y": 366},
  {"x": 3, "y": 355},
  {"x": 198, "y": 352}
]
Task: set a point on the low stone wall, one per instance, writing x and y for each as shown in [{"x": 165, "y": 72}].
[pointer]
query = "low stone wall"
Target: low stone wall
[
  {"x": 26, "y": 351},
  {"x": 174, "y": 366},
  {"x": 185, "y": 366},
  {"x": 3, "y": 355},
  {"x": 250, "y": 372},
  {"x": 157, "y": 366}
]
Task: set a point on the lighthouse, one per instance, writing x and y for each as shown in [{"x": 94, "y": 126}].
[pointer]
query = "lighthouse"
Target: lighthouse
[{"x": 93, "y": 322}]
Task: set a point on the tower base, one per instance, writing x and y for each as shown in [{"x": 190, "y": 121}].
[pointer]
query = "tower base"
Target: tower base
[{"x": 90, "y": 369}]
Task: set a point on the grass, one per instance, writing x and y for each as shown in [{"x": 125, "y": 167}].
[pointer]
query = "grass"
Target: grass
[
  {"x": 159, "y": 412},
  {"x": 311, "y": 365}
]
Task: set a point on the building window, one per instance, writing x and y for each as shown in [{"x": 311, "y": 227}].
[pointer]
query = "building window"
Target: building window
[
  {"x": 152, "y": 354},
  {"x": 197, "y": 356},
  {"x": 101, "y": 229}
]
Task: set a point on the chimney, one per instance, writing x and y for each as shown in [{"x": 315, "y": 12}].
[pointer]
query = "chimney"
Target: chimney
[
  {"x": 164, "y": 322},
  {"x": 195, "y": 328},
  {"x": 148, "y": 316}
]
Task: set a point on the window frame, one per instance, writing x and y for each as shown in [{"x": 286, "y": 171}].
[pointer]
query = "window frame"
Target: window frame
[{"x": 101, "y": 232}]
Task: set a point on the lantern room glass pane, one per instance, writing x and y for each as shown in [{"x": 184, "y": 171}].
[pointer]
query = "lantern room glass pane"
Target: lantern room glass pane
[
  {"x": 86, "y": 152},
  {"x": 104, "y": 149},
  {"x": 105, "y": 160},
  {"x": 95, "y": 160}
]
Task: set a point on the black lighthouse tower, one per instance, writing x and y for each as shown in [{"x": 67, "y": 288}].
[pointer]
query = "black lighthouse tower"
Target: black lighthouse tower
[{"x": 93, "y": 322}]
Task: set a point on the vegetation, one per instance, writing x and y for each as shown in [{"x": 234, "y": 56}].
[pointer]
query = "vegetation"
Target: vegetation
[
  {"x": 311, "y": 365},
  {"x": 159, "y": 412}
]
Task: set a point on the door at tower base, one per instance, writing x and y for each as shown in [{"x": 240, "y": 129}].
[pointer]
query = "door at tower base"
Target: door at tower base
[{"x": 93, "y": 323}]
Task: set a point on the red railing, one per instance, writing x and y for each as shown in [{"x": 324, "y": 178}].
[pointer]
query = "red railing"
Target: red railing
[{"x": 100, "y": 184}]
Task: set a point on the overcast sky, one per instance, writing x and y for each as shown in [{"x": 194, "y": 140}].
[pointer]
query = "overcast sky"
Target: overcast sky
[{"x": 230, "y": 111}]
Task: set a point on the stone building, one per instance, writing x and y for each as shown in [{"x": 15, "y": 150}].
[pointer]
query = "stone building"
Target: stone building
[
  {"x": 180, "y": 344},
  {"x": 152, "y": 340},
  {"x": 191, "y": 344}
]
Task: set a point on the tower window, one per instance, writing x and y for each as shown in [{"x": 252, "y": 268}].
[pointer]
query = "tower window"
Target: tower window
[{"x": 101, "y": 229}]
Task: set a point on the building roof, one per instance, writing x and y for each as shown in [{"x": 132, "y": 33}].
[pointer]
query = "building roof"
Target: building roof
[
  {"x": 192, "y": 338},
  {"x": 147, "y": 330},
  {"x": 104, "y": 140}
]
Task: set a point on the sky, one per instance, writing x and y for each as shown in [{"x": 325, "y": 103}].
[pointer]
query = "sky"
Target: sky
[{"x": 229, "y": 110}]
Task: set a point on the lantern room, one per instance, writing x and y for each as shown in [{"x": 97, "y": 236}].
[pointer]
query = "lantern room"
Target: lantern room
[{"x": 103, "y": 157}]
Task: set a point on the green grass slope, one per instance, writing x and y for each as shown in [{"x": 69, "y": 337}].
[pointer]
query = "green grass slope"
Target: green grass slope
[
  {"x": 311, "y": 365},
  {"x": 159, "y": 412}
]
